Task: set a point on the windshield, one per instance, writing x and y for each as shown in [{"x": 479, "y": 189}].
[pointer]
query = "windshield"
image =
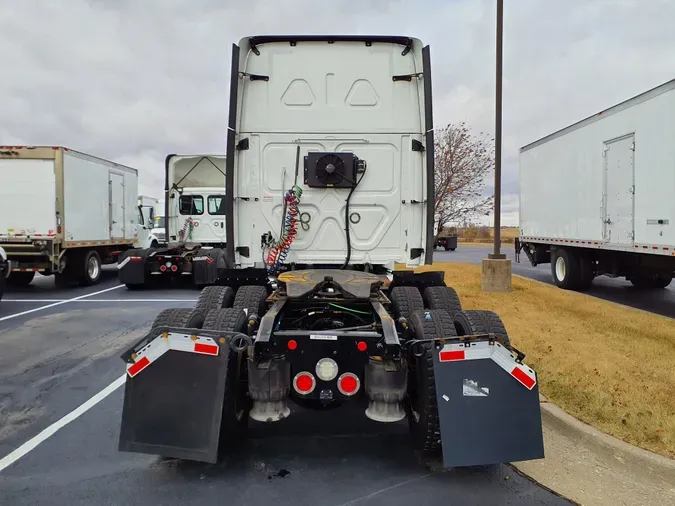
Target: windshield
[{"x": 159, "y": 221}]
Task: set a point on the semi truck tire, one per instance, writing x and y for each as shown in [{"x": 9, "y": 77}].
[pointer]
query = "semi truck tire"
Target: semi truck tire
[
  {"x": 423, "y": 418},
  {"x": 236, "y": 404},
  {"x": 442, "y": 297},
  {"x": 251, "y": 299},
  {"x": 179, "y": 317},
  {"x": 20, "y": 278},
  {"x": 89, "y": 268},
  {"x": 215, "y": 297},
  {"x": 405, "y": 300},
  {"x": 474, "y": 322}
]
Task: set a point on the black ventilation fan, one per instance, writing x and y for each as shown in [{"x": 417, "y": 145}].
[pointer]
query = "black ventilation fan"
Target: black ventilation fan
[{"x": 330, "y": 170}]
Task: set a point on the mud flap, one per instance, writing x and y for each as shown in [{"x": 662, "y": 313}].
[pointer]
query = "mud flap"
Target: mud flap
[
  {"x": 173, "y": 403},
  {"x": 488, "y": 406},
  {"x": 132, "y": 270},
  {"x": 205, "y": 266}
]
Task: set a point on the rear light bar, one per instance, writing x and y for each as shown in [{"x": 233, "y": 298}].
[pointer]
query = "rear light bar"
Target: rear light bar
[
  {"x": 171, "y": 341},
  {"x": 454, "y": 352}
]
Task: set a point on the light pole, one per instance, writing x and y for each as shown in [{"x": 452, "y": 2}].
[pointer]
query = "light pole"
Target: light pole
[
  {"x": 496, "y": 267},
  {"x": 498, "y": 136}
]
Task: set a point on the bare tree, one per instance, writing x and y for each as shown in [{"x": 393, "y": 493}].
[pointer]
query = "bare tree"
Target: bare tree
[{"x": 462, "y": 162}]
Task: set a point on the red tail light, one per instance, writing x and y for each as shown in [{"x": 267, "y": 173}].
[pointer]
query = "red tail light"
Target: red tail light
[
  {"x": 174, "y": 268},
  {"x": 304, "y": 383},
  {"x": 162, "y": 268},
  {"x": 292, "y": 344},
  {"x": 348, "y": 384}
]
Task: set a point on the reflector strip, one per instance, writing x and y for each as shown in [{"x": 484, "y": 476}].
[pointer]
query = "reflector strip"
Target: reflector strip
[
  {"x": 124, "y": 262},
  {"x": 134, "y": 369},
  {"x": 496, "y": 352},
  {"x": 449, "y": 356},
  {"x": 171, "y": 341},
  {"x": 520, "y": 375},
  {"x": 207, "y": 349}
]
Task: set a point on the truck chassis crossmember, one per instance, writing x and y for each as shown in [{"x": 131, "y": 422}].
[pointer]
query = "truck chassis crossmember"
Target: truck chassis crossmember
[{"x": 323, "y": 338}]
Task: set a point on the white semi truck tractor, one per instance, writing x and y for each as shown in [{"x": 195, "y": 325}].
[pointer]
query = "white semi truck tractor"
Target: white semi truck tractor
[
  {"x": 192, "y": 246},
  {"x": 329, "y": 184}
]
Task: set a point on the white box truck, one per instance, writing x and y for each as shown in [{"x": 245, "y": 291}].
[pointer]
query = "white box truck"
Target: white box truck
[
  {"x": 192, "y": 246},
  {"x": 598, "y": 197},
  {"x": 64, "y": 213}
]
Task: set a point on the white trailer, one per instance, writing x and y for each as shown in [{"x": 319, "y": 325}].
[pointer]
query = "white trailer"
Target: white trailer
[
  {"x": 192, "y": 245},
  {"x": 598, "y": 197},
  {"x": 64, "y": 213}
]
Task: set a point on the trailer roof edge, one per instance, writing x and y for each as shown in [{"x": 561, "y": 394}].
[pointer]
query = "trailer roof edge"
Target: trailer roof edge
[{"x": 621, "y": 106}]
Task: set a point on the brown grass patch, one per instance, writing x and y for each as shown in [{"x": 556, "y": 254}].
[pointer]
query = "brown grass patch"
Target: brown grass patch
[{"x": 610, "y": 366}]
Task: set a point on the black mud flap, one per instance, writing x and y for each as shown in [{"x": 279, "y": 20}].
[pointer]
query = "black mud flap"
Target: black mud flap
[
  {"x": 488, "y": 406},
  {"x": 173, "y": 405},
  {"x": 131, "y": 270}
]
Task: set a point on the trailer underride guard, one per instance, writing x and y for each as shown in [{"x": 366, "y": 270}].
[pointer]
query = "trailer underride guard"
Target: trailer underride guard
[{"x": 312, "y": 317}]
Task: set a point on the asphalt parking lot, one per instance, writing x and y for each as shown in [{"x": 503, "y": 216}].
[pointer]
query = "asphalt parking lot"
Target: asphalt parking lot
[{"x": 60, "y": 349}]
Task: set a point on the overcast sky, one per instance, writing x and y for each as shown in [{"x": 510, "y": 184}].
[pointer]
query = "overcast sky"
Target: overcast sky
[{"x": 133, "y": 80}]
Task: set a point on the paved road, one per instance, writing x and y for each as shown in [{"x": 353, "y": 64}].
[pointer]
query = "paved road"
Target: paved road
[
  {"x": 616, "y": 290},
  {"x": 54, "y": 359}
]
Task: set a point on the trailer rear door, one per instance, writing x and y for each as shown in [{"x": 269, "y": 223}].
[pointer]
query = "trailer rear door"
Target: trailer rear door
[
  {"x": 116, "y": 205},
  {"x": 619, "y": 210},
  {"x": 27, "y": 197}
]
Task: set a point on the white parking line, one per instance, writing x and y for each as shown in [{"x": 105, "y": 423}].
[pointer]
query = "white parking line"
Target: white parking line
[
  {"x": 2, "y": 319},
  {"x": 51, "y": 430},
  {"x": 99, "y": 300}
]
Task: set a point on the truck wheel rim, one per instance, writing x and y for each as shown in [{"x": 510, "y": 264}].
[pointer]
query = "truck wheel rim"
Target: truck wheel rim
[
  {"x": 560, "y": 268},
  {"x": 92, "y": 268}
]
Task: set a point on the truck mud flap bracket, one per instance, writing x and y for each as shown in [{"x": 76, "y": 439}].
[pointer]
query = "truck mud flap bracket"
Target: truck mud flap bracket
[
  {"x": 173, "y": 397},
  {"x": 488, "y": 405}
]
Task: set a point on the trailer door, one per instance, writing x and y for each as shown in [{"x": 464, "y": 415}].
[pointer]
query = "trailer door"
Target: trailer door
[
  {"x": 116, "y": 206},
  {"x": 619, "y": 185}
]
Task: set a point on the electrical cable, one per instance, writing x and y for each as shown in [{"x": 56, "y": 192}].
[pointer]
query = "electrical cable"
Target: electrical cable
[{"x": 349, "y": 243}]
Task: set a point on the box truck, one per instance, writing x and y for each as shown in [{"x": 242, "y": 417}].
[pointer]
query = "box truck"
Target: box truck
[
  {"x": 194, "y": 222},
  {"x": 65, "y": 213},
  {"x": 598, "y": 197}
]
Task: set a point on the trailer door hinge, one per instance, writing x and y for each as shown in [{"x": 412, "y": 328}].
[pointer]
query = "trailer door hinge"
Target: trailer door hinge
[
  {"x": 632, "y": 147},
  {"x": 242, "y": 145},
  {"x": 632, "y": 190}
]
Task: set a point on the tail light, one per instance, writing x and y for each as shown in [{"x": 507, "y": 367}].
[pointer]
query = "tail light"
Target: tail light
[
  {"x": 304, "y": 383},
  {"x": 348, "y": 384}
]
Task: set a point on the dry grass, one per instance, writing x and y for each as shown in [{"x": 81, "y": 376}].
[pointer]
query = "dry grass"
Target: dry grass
[{"x": 610, "y": 366}]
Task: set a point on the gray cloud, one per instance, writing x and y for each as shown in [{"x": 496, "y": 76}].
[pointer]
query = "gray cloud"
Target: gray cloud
[{"x": 133, "y": 81}]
